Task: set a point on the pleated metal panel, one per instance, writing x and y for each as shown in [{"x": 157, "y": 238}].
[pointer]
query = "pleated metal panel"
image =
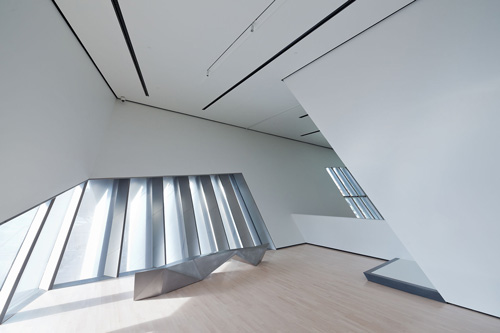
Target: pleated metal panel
[
  {"x": 158, "y": 223},
  {"x": 239, "y": 219},
  {"x": 84, "y": 251},
  {"x": 246, "y": 215},
  {"x": 137, "y": 251},
  {"x": 213, "y": 212},
  {"x": 254, "y": 212},
  {"x": 175, "y": 234},
  {"x": 231, "y": 231},
  {"x": 119, "y": 207},
  {"x": 188, "y": 216},
  {"x": 203, "y": 222}
]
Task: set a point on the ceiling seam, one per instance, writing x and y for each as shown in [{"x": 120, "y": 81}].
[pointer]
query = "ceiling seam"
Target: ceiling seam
[
  {"x": 227, "y": 124},
  {"x": 273, "y": 116}
]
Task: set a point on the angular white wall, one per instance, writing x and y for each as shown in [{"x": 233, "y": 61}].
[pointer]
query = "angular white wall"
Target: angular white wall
[
  {"x": 284, "y": 176},
  {"x": 54, "y": 106},
  {"x": 412, "y": 108}
]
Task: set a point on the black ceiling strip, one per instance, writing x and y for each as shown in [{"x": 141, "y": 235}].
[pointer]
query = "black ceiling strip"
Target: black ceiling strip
[
  {"x": 121, "y": 20},
  {"x": 336, "y": 47},
  {"x": 227, "y": 124},
  {"x": 310, "y": 133},
  {"x": 81, "y": 44},
  {"x": 286, "y": 48},
  {"x": 306, "y": 115}
]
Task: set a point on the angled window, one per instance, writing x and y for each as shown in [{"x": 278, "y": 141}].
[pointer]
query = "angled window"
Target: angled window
[
  {"x": 83, "y": 256},
  {"x": 357, "y": 199},
  {"x": 12, "y": 234}
]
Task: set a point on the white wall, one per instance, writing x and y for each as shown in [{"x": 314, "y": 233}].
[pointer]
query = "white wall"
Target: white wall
[
  {"x": 412, "y": 108},
  {"x": 368, "y": 237},
  {"x": 54, "y": 106},
  {"x": 284, "y": 176}
]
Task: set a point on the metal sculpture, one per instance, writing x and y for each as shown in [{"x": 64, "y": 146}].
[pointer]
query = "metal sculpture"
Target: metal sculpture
[{"x": 166, "y": 279}]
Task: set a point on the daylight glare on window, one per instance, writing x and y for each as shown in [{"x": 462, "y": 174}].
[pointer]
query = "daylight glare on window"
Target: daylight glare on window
[{"x": 354, "y": 195}]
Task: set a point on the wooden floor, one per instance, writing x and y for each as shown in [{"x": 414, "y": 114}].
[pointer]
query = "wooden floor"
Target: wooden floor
[{"x": 298, "y": 289}]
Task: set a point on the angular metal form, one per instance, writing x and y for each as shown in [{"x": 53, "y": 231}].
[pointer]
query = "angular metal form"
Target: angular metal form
[
  {"x": 252, "y": 255},
  {"x": 166, "y": 279},
  {"x": 207, "y": 264},
  {"x": 148, "y": 284}
]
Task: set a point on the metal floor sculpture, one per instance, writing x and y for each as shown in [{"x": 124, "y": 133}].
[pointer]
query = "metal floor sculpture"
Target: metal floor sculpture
[{"x": 166, "y": 279}]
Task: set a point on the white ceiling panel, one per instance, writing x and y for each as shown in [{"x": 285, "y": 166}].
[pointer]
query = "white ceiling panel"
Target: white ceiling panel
[
  {"x": 177, "y": 41},
  {"x": 95, "y": 23}
]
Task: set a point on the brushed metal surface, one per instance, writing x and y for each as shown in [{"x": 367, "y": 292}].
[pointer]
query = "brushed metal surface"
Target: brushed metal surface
[
  {"x": 166, "y": 279},
  {"x": 213, "y": 211},
  {"x": 252, "y": 255},
  {"x": 114, "y": 244},
  {"x": 158, "y": 223},
  {"x": 193, "y": 245},
  {"x": 208, "y": 264},
  {"x": 239, "y": 219},
  {"x": 253, "y": 210}
]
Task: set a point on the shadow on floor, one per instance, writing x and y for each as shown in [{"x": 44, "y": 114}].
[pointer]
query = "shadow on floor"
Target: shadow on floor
[{"x": 71, "y": 306}]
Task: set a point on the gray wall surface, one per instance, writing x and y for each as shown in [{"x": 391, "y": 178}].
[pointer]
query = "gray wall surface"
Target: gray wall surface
[
  {"x": 54, "y": 106},
  {"x": 368, "y": 237},
  {"x": 284, "y": 176}
]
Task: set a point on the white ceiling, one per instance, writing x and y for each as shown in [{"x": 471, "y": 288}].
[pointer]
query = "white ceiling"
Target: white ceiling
[{"x": 176, "y": 42}]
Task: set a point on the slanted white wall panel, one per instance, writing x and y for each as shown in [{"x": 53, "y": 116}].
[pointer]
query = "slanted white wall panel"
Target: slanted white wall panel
[
  {"x": 54, "y": 106},
  {"x": 411, "y": 106}
]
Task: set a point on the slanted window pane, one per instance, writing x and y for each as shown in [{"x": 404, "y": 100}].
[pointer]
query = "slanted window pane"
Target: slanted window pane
[
  {"x": 83, "y": 255},
  {"x": 137, "y": 240},
  {"x": 337, "y": 182},
  {"x": 368, "y": 203},
  {"x": 355, "y": 208},
  {"x": 28, "y": 287},
  {"x": 363, "y": 208},
  {"x": 357, "y": 199},
  {"x": 353, "y": 182},
  {"x": 12, "y": 234},
  {"x": 344, "y": 181}
]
